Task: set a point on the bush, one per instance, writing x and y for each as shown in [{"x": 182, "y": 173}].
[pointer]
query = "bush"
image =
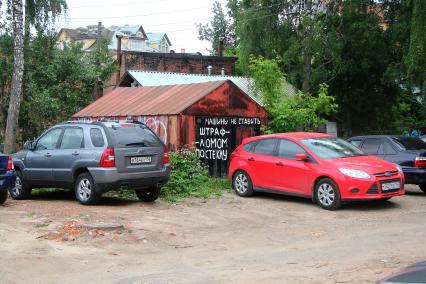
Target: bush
[{"x": 190, "y": 178}]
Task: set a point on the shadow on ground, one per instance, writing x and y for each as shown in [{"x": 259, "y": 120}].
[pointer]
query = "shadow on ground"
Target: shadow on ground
[
  {"x": 369, "y": 205},
  {"x": 63, "y": 195}
]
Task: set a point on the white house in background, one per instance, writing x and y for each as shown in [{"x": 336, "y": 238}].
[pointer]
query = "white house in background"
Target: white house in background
[
  {"x": 159, "y": 42},
  {"x": 134, "y": 38}
]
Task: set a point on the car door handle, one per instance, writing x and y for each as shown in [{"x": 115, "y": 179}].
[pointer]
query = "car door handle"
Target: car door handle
[
  {"x": 251, "y": 159},
  {"x": 75, "y": 154},
  {"x": 48, "y": 155},
  {"x": 279, "y": 164}
]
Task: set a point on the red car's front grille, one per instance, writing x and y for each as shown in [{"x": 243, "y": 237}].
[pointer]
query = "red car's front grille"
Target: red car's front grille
[{"x": 386, "y": 174}]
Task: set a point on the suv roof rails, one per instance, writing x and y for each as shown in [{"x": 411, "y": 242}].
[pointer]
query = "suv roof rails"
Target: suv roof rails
[{"x": 78, "y": 121}]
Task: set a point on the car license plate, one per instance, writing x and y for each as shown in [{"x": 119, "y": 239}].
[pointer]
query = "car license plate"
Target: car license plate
[
  {"x": 391, "y": 186},
  {"x": 140, "y": 160}
]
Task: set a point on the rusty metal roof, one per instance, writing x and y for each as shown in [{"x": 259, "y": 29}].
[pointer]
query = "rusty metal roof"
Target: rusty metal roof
[{"x": 157, "y": 100}]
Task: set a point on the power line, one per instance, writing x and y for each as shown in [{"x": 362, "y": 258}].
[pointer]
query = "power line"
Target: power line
[
  {"x": 172, "y": 12},
  {"x": 119, "y": 4},
  {"x": 144, "y": 15}
]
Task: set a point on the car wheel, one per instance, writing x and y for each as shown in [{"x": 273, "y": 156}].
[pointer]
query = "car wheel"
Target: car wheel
[
  {"x": 327, "y": 194},
  {"x": 21, "y": 190},
  {"x": 85, "y": 190},
  {"x": 3, "y": 196},
  {"x": 149, "y": 195},
  {"x": 423, "y": 187},
  {"x": 242, "y": 184}
]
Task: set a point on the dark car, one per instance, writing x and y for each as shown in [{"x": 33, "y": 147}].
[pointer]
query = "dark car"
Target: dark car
[
  {"x": 408, "y": 152},
  {"x": 93, "y": 158},
  {"x": 413, "y": 274},
  {"x": 7, "y": 176}
]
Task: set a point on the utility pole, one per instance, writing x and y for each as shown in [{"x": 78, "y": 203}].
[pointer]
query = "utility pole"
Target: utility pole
[{"x": 98, "y": 46}]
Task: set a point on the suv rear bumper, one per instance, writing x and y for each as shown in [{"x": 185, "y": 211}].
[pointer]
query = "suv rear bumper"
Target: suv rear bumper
[
  {"x": 108, "y": 179},
  {"x": 7, "y": 180},
  {"x": 415, "y": 175}
]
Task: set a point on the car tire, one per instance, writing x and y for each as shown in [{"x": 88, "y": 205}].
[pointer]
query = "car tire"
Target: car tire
[
  {"x": 3, "y": 196},
  {"x": 149, "y": 195},
  {"x": 423, "y": 187},
  {"x": 21, "y": 190},
  {"x": 242, "y": 184},
  {"x": 327, "y": 194},
  {"x": 85, "y": 189}
]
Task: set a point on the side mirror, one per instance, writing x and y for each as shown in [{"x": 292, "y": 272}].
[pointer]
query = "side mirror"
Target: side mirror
[
  {"x": 28, "y": 145},
  {"x": 301, "y": 157}
]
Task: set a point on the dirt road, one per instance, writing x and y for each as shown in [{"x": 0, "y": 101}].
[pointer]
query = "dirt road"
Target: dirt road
[{"x": 264, "y": 239}]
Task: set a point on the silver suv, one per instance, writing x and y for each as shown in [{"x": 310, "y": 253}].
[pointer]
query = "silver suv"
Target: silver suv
[{"x": 93, "y": 158}]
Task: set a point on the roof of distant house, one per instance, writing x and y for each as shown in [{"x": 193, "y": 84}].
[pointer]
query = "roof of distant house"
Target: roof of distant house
[
  {"x": 129, "y": 30},
  {"x": 80, "y": 33},
  {"x": 158, "y": 37}
]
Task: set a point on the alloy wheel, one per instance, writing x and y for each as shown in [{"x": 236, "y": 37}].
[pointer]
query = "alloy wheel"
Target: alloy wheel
[
  {"x": 326, "y": 194},
  {"x": 84, "y": 189},
  {"x": 16, "y": 191},
  {"x": 241, "y": 183}
]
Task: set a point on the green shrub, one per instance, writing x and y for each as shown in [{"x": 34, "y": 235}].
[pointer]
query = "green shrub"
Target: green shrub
[{"x": 190, "y": 178}]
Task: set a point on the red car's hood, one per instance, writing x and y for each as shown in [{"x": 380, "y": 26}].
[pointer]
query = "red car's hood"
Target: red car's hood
[{"x": 368, "y": 164}]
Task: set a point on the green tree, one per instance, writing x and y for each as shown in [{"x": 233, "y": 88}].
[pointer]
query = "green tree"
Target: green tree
[
  {"x": 17, "y": 77},
  {"x": 415, "y": 59},
  {"x": 60, "y": 82},
  {"x": 220, "y": 29},
  {"x": 289, "y": 111},
  {"x": 38, "y": 13}
]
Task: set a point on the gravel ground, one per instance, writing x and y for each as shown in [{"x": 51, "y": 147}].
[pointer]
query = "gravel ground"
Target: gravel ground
[{"x": 263, "y": 239}]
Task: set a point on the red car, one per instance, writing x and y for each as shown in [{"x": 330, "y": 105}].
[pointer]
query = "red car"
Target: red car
[{"x": 314, "y": 165}]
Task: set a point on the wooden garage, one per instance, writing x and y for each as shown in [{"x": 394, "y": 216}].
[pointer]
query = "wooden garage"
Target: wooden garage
[{"x": 213, "y": 116}]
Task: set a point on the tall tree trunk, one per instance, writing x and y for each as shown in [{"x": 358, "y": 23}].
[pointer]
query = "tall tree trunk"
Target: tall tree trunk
[
  {"x": 18, "y": 70},
  {"x": 306, "y": 84}
]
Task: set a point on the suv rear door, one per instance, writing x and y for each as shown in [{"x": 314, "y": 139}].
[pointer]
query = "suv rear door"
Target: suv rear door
[
  {"x": 137, "y": 148},
  {"x": 68, "y": 153}
]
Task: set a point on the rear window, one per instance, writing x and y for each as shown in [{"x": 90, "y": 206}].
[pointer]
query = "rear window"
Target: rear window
[
  {"x": 97, "y": 137},
  {"x": 135, "y": 136},
  {"x": 410, "y": 143},
  {"x": 265, "y": 147},
  {"x": 248, "y": 147}
]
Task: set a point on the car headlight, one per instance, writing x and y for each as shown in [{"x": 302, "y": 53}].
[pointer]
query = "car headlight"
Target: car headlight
[
  {"x": 399, "y": 168},
  {"x": 354, "y": 173}
]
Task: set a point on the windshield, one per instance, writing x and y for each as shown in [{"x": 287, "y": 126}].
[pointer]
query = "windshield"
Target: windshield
[
  {"x": 332, "y": 148},
  {"x": 410, "y": 143}
]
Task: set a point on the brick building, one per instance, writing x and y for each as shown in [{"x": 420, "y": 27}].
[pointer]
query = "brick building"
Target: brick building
[
  {"x": 176, "y": 62},
  {"x": 186, "y": 63}
]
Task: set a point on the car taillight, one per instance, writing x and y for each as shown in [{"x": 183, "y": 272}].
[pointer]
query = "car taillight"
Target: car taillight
[
  {"x": 420, "y": 162},
  {"x": 108, "y": 158},
  {"x": 166, "y": 156},
  {"x": 10, "y": 166}
]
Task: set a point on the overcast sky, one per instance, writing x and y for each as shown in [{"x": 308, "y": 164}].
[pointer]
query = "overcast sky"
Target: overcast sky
[{"x": 178, "y": 18}]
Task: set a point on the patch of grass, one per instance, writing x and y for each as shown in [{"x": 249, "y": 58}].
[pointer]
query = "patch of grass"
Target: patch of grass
[
  {"x": 45, "y": 190},
  {"x": 43, "y": 225},
  {"x": 190, "y": 178},
  {"x": 127, "y": 194}
]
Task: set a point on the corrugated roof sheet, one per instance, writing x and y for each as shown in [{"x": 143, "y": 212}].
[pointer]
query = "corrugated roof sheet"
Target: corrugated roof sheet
[
  {"x": 152, "y": 78},
  {"x": 159, "y": 100}
]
